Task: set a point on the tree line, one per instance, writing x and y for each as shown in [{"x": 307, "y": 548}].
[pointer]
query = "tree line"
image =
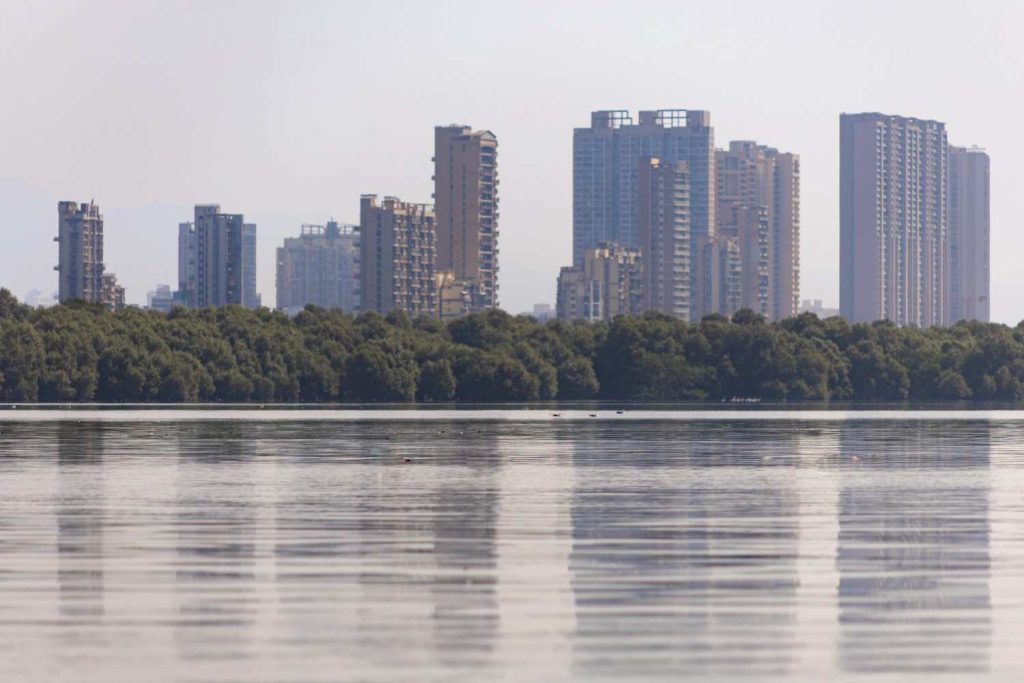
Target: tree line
[{"x": 79, "y": 352}]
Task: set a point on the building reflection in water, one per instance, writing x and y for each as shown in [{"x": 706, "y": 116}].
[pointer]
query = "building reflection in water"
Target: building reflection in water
[
  {"x": 404, "y": 515},
  {"x": 80, "y": 505},
  {"x": 913, "y": 554},
  {"x": 215, "y": 519},
  {"x": 465, "y": 511},
  {"x": 685, "y": 545},
  {"x": 534, "y": 531}
]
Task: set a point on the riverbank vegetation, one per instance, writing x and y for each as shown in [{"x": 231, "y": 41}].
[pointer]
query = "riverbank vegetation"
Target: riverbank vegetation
[{"x": 80, "y": 353}]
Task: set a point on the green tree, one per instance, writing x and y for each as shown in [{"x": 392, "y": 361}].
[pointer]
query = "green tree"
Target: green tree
[
  {"x": 382, "y": 371},
  {"x": 437, "y": 381},
  {"x": 21, "y": 360},
  {"x": 577, "y": 380}
]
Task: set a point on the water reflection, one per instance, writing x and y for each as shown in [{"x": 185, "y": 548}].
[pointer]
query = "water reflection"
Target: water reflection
[
  {"x": 446, "y": 550},
  {"x": 80, "y": 519},
  {"x": 407, "y": 524},
  {"x": 464, "y": 518},
  {"x": 535, "y": 601},
  {"x": 215, "y": 532},
  {"x": 680, "y": 563},
  {"x": 914, "y": 547}
]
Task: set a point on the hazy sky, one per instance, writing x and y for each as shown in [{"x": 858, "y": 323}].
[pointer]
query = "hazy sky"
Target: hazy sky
[{"x": 287, "y": 112}]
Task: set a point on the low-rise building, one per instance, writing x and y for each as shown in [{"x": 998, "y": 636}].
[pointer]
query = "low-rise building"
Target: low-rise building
[
  {"x": 454, "y": 296},
  {"x": 819, "y": 309},
  {"x": 160, "y": 299},
  {"x": 750, "y": 227},
  {"x": 720, "y": 272},
  {"x": 608, "y": 284},
  {"x": 543, "y": 312},
  {"x": 111, "y": 293},
  {"x": 320, "y": 267}
]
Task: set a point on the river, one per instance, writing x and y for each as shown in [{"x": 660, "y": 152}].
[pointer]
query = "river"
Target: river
[{"x": 506, "y": 544}]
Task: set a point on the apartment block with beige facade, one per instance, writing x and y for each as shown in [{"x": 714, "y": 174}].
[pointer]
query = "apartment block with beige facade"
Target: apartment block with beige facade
[
  {"x": 608, "y": 284},
  {"x": 663, "y": 231},
  {"x": 454, "y": 297},
  {"x": 719, "y": 269},
  {"x": 750, "y": 228},
  {"x": 466, "y": 210},
  {"x": 893, "y": 223},
  {"x": 969, "y": 224},
  {"x": 752, "y": 175},
  {"x": 397, "y": 252}
]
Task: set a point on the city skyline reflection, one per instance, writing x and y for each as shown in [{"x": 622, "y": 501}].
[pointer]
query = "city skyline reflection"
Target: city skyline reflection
[{"x": 660, "y": 549}]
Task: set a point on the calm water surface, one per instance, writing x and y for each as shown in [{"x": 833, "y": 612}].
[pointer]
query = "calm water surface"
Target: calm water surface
[{"x": 510, "y": 545}]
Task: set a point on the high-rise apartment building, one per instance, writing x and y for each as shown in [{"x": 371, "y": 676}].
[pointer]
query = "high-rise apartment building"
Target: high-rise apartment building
[
  {"x": 750, "y": 227},
  {"x": 224, "y": 250},
  {"x": 719, "y": 268},
  {"x": 188, "y": 273},
  {"x": 80, "y": 252},
  {"x": 250, "y": 297},
  {"x": 606, "y": 167},
  {"x": 397, "y": 252},
  {"x": 784, "y": 217},
  {"x": 608, "y": 284},
  {"x": 751, "y": 175},
  {"x": 466, "y": 210},
  {"x": 663, "y": 232},
  {"x": 893, "y": 239},
  {"x": 319, "y": 267},
  {"x": 968, "y": 229}
]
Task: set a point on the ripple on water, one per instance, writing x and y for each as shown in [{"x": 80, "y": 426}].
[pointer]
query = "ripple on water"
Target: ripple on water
[{"x": 508, "y": 545}]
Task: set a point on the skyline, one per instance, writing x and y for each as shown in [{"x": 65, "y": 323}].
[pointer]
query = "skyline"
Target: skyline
[{"x": 289, "y": 153}]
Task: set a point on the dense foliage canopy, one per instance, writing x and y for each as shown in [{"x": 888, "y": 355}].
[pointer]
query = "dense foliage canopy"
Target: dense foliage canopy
[{"x": 80, "y": 352}]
